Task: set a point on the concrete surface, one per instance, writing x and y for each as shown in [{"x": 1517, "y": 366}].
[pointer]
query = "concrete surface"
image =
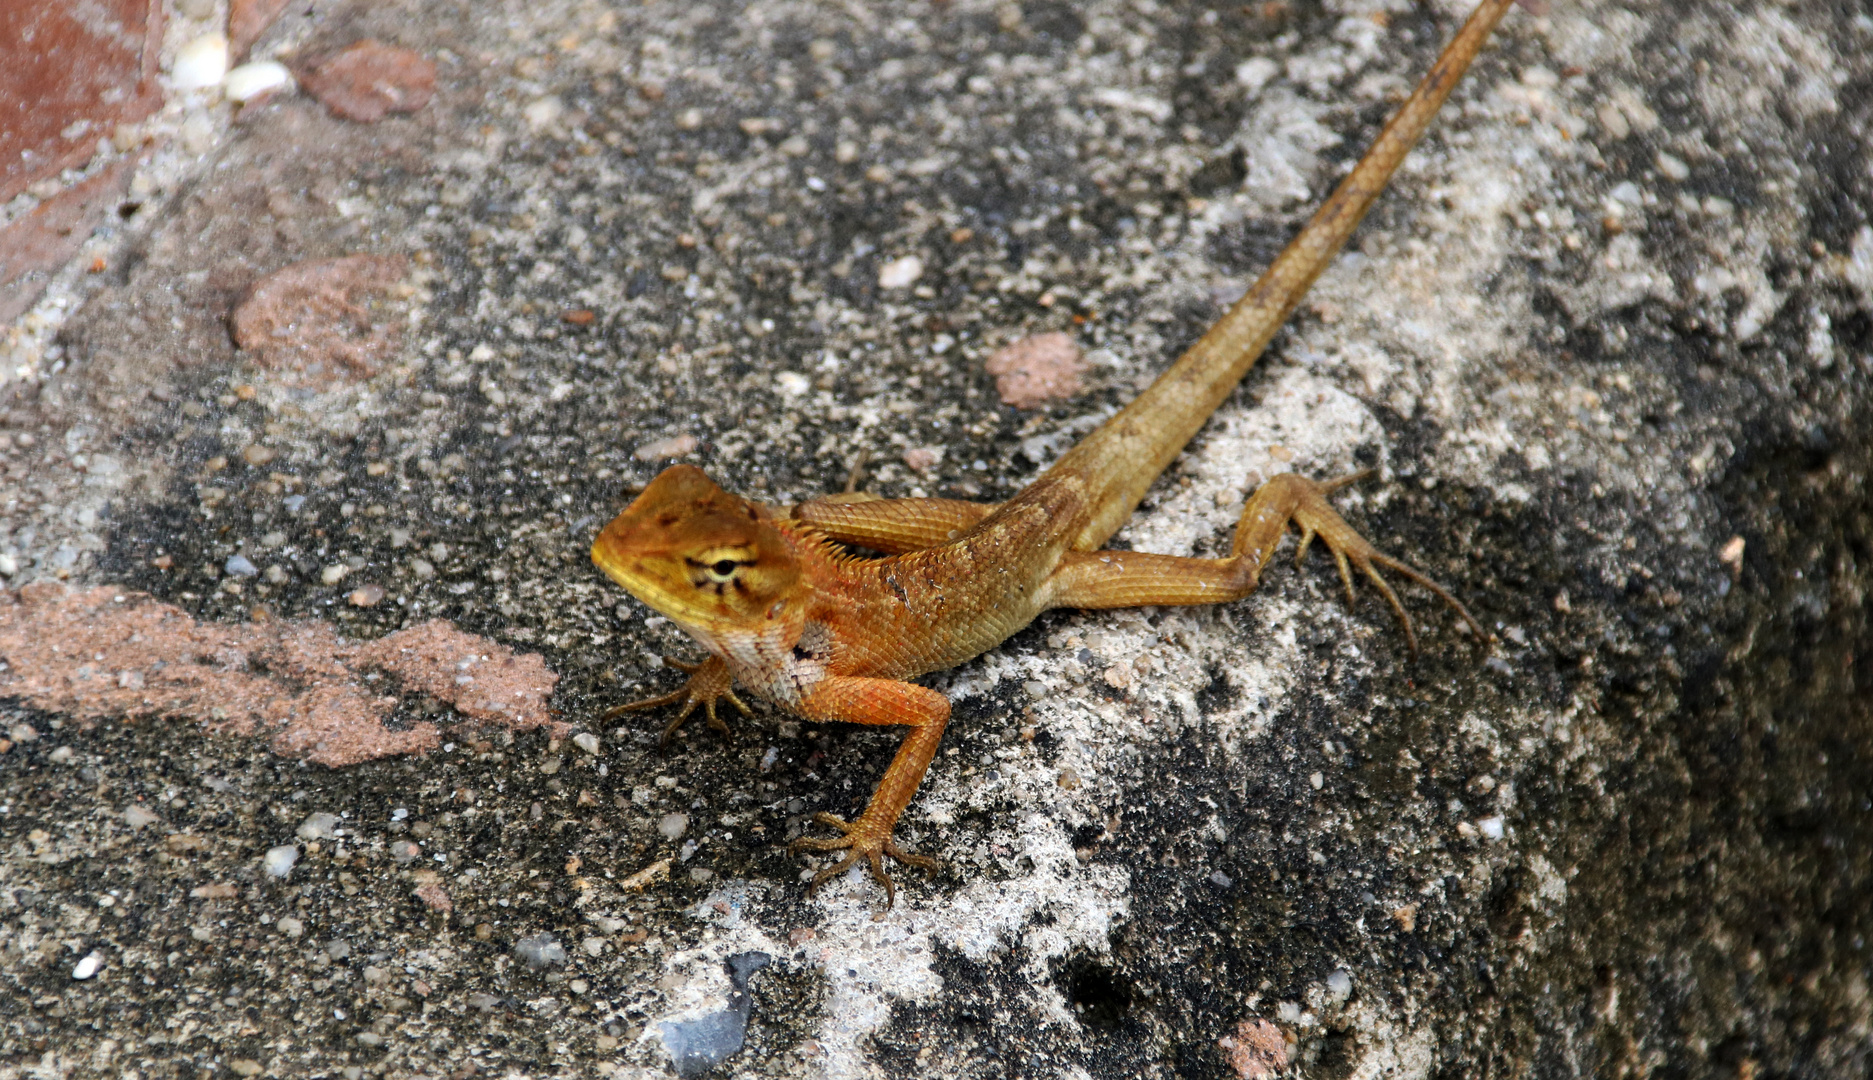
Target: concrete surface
[{"x": 1609, "y": 340}]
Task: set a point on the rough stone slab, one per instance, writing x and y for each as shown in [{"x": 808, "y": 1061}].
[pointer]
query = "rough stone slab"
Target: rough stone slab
[{"x": 1609, "y": 343}]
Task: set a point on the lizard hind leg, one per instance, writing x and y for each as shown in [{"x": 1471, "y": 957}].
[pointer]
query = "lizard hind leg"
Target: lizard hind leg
[{"x": 1314, "y": 516}]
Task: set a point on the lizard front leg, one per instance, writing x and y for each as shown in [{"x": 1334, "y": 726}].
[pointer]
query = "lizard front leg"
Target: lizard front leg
[
  {"x": 709, "y": 682},
  {"x": 1110, "y": 579},
  {"x": 878, "y": 701}
]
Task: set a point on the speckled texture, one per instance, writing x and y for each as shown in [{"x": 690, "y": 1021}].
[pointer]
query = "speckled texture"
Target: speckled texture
[{"x": 1613, "y": 314}]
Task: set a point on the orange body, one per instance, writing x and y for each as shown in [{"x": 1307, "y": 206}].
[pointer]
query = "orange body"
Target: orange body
[{"x": 786, "y": 610}]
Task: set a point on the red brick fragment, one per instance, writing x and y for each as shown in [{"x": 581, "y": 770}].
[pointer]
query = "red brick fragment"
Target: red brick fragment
[
  {"x": 247, "y": 20},
  {"x": 1037, "y": 369},
  {"x": 1258, "y": 1048},
  {"x": 370, "y": 79},
  {"x": 104, "y": 653},
  {"x": 35, "y": 247},
  {"x": 310, "y": 320},
  {"x": 73, "y": 72}
]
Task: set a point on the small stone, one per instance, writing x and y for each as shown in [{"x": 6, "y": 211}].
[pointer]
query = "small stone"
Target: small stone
[
  {"x": 370, "y": 80},
  {"x": 1490, "y": 827},
  {"x": 240, "y": 566},
  {"x": 278, "y": 861},
  {"x": 1340, "y": 984},
  {"x": 540, "y": 951},
  {"x": 924, "y": 458},
  {"x": 375, "y": 975},
  {"x": 593, "y": 946},
  {"x": 436, "y": 897},
  {"x": 290, "y": 926},
  {"x": 253, "y": 83},
  {"x": 23, "y": 733},
  {"x": 88, "y": 966},
  {"x": 138, "y": 815},
  {"x": 200, "y": 63},
  {"x": 673, "y": 826},
  {"x": 587, "y": 742},
  {"x": 370, "y": 1038},
  {"x": 334, "y": 573},
  {"x": 8, "y": 564},
  {"x": 1317, "y": 781},
  {"x": 338, "y": 948},
  {"x": 675, "y": 446},
  {"x": 257, "y": 455},
  {"x": 405, "y": 852},
  {"x": 367, "y": 596},
  {"x": 244, "y": 1067},
  {"x": 900, "y": 273},
  {"x": 319, "y": 826},
  {"x": 277, "y": 575},
  {"x": 62, "y": 756}
]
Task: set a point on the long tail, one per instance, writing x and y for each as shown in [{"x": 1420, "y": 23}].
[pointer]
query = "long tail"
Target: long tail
[{"x": 1115, "y": 465}]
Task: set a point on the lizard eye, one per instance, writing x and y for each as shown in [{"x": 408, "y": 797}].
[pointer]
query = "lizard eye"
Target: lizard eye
[{"x": 724, "y": 569}]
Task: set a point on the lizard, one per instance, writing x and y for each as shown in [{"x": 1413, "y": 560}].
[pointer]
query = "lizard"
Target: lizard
[{"x": 786, "y": 607}]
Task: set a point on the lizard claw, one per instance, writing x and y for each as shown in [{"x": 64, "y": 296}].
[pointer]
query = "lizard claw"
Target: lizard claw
[
  {"x": 1352, "y": 551},
  {"x": 709, "y": 682},
  {"x": 861, "y": 840}
]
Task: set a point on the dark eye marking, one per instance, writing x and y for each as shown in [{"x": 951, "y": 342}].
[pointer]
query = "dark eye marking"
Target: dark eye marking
[{"x": 724, "y": 567}]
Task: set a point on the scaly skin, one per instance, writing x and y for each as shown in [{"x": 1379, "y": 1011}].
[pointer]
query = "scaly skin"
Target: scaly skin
[{"x": 787, "y": 611}]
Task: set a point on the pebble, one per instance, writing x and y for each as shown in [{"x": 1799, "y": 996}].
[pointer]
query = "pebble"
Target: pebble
[
  {"x": 405, "y": 852},
  {"x": 1491, "y": 827},
  {"x": 88, "y": 966},
  {"x": 1340, "y": 984},
  {"x": 675, "y": 446},
  {"x": 338, "y": 948},
  {"x": 318, "y": 827},
  {"x": 366, "y": 596},
  {"x": 334, "y": 573},
  {"x": 256, "y": 80},
  {"x": 673, "y": 826},
  {"x": 593, "y": 946},
  {"x": 278, "y": 861},
  {"x": 587, "y": 742},
  {"x": 138, "y": 815},
  {"x": 257, "y": 455},
  {"x": 900, "y": 273},
  {"x": 540, "y": 951},
  {"x": 8, "y": 564},
  {"x": 290, "y": 926},
  {"x": 201, "y": 63},
  {"x": 23, "y": 733},
  {"x": 239, "y": 566},
  {"x": 62, "y": 756}
]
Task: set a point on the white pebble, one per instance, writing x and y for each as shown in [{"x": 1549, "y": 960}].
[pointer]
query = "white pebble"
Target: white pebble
[
  {"x": 249, "y": 81},
  {"x": 139, "y": 815},
  {"x": 587, "y": 742},
  {"x": 1491, "y": 827},
  {"x": 88, "y": 966},
  {"x": 318, "y": 827},
  {"x": 8, "y": 565},
  {"x": 1340, "y": 984},
  {"x": 673, "y": 826},
  {"x": 290, "y": 926},
  {"x": 201, "y": 63},
  {"x": 334, "y": 573},
  {"x": 899, "y": 273},
  {"x": 278, "y": 862},
  {"x": 792, "y": 383}
]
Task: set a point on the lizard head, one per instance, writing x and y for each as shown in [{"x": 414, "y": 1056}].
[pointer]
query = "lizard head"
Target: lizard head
[{"x": 707, "y": 559}]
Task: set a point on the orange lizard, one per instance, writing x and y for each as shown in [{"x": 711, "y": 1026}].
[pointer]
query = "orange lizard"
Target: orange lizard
[{"x": 788, "y": 610}]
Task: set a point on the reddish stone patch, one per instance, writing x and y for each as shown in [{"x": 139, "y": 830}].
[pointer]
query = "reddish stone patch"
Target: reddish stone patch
[
  {"x": 73, "y": 72},
  {"x": 1037, "y": 369},
  {"x": 1258, "y": 1048},
  {"x": 33, "y": 248},
  {"x": 370, "y": 80},
  {"x": 310, "y": 319},
  {"x": 247, "y": 20},
  {"x": 103, "y": 653},
  {"x": 436, "y": 897}
]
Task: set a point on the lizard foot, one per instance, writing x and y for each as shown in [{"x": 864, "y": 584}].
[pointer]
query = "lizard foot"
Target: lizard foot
[
  {"x": 861, "y": 840},
  {"x": 1316, "y": 517},
  {"x": 709, "y": 682}
]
